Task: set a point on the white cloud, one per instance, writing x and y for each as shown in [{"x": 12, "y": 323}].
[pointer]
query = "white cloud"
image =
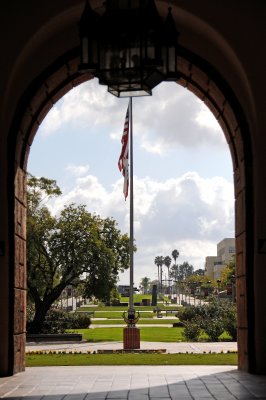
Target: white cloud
[
  {"x": 77, "y": 170},
  {"x": 206, "y": 119},
  {"x": 171, "y": 117},
  {"x": 189, "y": 213}
]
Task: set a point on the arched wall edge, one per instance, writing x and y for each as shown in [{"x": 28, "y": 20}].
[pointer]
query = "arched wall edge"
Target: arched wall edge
[{"x": 206, "y": 83}]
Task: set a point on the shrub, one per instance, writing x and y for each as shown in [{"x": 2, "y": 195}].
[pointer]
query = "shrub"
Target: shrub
[
  {"x": 115, "y": 302},
  {"x": 213, "y": 318},
  {"x": 214, "y": 328},
  {"x": 79, "y": 321},
  {"x": 192, "y": 330},
  {"x": 178, "y": 324},
  {"x": 189, "y": 313},
  {"x": 230, "y": 322},
  {"x": 30, "y": 312},
  {"x": 58, "y": 321}
]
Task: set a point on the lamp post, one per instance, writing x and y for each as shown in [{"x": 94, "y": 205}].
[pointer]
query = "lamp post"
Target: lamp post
[
  {"x": 195, "y": 285},
  {"x": 200, "y": 292},
  {"x": 185, "y": 290},
  {"x": 177, "y": 285},
  {"x": 209, "y": 283},
  {"x": 182, "y": 292},
  {"x": 218, "y": 286}
]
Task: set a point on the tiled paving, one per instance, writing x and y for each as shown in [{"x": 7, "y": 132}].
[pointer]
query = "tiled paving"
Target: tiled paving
[
  {"x": 133, "y": 383},
  {"x": 181, "y": 347}
]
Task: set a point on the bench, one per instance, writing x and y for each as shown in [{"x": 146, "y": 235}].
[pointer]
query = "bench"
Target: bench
[
  {"x": 158, "y": 311},
  {"x": 171, "y": 311}
]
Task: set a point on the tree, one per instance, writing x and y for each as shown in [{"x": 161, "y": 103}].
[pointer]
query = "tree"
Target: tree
[
  {"x": 159, "y": 262},
  {"x": 174, "y": 271},
  {"x": 182, "y": 271},
  {"x": 228, "y": 272},
  {"x": 145, "y": 282},
  {"x": 61, "y": 249},
  {"x": 175, "y": 255},
  {"x": 185, "y": 270},
  {"x": 112, "y": 258},
  {"x": 200, "y": 279},
  {"x": 199, "y": 272},
  {"x": 167, "y": 262}
]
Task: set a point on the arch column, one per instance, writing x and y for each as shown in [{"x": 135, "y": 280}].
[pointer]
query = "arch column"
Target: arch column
[
  {"x": 259, "y": 265},
  {"x": 19, "y": 337}
]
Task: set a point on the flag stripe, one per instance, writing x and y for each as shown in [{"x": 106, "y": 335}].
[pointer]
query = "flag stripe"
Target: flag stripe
[{"x": 123, "y": 159}]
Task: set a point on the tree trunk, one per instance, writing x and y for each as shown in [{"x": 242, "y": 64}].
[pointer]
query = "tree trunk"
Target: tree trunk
[
  {"x": 42, "y": 307},
  {"x": 35, "y": 326}
]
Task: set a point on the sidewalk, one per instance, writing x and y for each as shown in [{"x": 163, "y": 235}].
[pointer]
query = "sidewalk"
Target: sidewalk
[
  {"x": 181, "y": 347},
  {"x": 186, "y": 382}
]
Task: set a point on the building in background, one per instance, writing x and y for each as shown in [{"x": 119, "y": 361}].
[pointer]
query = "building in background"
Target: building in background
[
  {"x": 124, "y": 290},
  {"x": 225, "y": 253}
]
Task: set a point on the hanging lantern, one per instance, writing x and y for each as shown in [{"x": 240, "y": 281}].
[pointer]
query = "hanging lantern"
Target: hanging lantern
[
  {"x": 129, "y": 47},
  {"x": 170, "y": 48},
  {"x": 88, "y": 40}
]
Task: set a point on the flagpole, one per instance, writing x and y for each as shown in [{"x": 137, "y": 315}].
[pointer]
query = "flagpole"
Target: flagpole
[
  {"x": 131, "y": 218},
  {"x": 131, "y": 334}
]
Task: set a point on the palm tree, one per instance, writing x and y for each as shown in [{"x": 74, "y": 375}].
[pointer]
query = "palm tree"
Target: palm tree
[
  {"x": 175, "y": 255},
  {"x": 167, "y": 262},
  {"x": 175, "y": 268},
  {"x": 159, "y": 262}
]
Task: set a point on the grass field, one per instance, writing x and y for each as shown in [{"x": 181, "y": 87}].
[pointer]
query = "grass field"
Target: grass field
[
  {"x": 130, "y": 359},
  {"x": 142, "y": 321},
  {"x": 153, "y": 334},
  {"x": 119, "y": 314},
  {"x": 125, "y": 308}
]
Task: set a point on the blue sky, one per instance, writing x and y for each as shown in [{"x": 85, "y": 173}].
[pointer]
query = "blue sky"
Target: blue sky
[{"x": 183, "y": 179}]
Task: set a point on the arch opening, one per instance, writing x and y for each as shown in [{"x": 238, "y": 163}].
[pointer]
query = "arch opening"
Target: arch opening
[{"x": 202, "y": 80}]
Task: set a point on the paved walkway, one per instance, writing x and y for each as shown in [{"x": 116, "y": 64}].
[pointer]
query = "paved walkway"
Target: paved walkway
[
  {"x": 180, "y": 347},
  {"x": 134, "y": 383}
]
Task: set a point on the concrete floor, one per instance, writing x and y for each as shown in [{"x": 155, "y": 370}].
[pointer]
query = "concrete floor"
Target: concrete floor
[
  {"x": 133, "y": 383},
  {"x": 181, "y": 347}
]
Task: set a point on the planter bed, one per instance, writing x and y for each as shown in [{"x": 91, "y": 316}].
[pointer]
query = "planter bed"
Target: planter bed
[
  {"x": 54, "y": 337},
  {"x": 145, "y": 351}
]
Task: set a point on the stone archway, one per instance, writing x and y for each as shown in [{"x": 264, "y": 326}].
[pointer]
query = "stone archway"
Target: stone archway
[{"x": 205, "y": 82}]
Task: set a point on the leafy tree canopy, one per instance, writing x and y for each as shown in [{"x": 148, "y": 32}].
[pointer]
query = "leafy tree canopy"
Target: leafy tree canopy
[
  {"x": 182, "y": 271},
  {"x": 228, "y": 272},
  {"x": 63, "y": 248},
  {"x": 145, "y": 284}
]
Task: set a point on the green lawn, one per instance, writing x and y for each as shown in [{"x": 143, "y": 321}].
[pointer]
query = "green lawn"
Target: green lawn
[
  {"x": 147, "y": 321},
  {"x": 130, "y": 359},
  {"x": 137, "y": 298},
  {"x": 125, "y": 308},
  {"x": 153, "y": 334},
  {"x": 119, "y": 314},
  {"x": 113, "y": 308}
]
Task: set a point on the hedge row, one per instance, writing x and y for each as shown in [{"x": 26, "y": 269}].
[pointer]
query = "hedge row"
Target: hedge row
[{"x": 213, "y": 319}]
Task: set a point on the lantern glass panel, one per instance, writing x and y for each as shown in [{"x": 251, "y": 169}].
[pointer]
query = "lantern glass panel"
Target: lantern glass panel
[
  {"x": 128, "y": 46},
  {"x": 85, "y": 50}
]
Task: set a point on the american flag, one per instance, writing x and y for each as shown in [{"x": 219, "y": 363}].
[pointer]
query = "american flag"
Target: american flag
[{"x": 123, "y": 159}]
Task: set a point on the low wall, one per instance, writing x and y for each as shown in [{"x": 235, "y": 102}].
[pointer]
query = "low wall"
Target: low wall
[{"x": 54, "y": 337}]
